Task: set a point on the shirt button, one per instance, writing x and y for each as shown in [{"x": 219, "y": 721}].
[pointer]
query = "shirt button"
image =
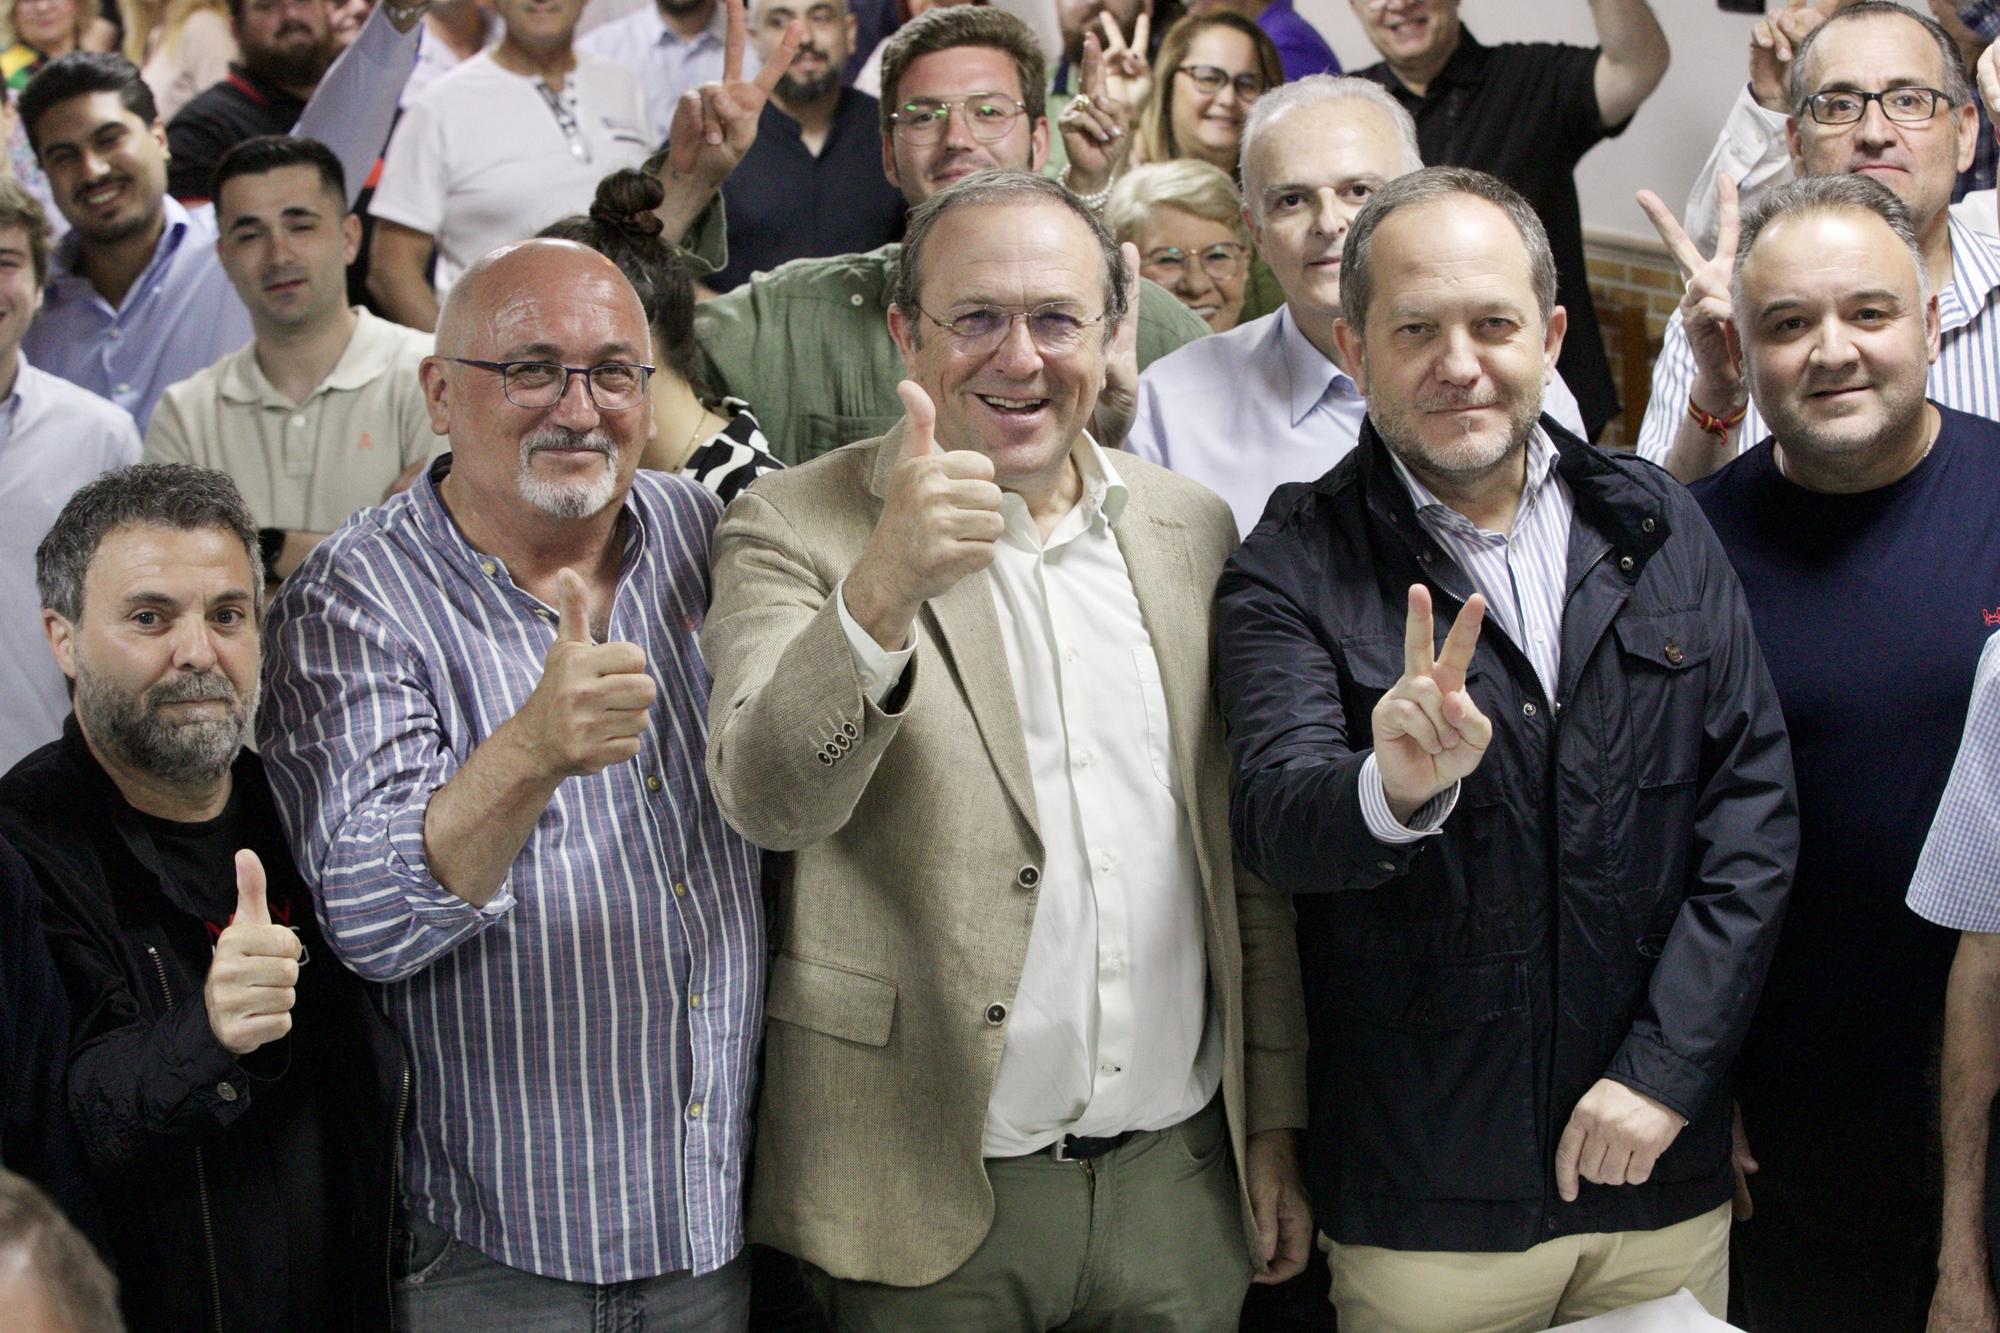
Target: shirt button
[
  {"x": 855, "y": 299},
  {"x": 1109, "y": 1069},
  {"x": 1646, "y": 525},
  {"x": 1083, "y": 759},
  {"x": 680, "y": 890},
  {"x": 1104, "y": 862},
  {"x": 1028, "y": 877},
  {"x": 652, "y": 782},
  {"x": 1528, "y": 709},
  {"x": 299, "y": 419},
  {"x": 694, "y": 1110},
  {"x": 1625, "y": 563},
  {"x": 488, "y": 568},
  {"x": 1674, "y": 653},
  {"x": 996, "y": 1014},
  {"x": 694, "y": 1000},
  {"x": 226, "y": 1091},
  {"x": 122, "y": 388}
]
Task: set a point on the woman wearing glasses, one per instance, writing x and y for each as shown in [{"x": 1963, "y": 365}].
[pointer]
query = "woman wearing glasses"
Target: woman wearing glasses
[
  {"x": 716, "y": 443},
  {"x": 1210, "y": 68},
  {"x": 1187, "y": 222}
]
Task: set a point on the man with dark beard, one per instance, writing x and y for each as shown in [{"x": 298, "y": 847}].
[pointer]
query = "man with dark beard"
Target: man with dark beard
[
  {"x": 812, "y": 183},
  {"x": 231, "y": 1096},
  {"x": 1866, "y": 531},
  {"x": 284, "y": 46},
  {"x": 1539, "y": 872}
]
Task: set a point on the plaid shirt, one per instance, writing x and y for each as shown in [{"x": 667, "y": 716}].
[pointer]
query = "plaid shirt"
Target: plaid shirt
[{"x": 1957, "y": 883}]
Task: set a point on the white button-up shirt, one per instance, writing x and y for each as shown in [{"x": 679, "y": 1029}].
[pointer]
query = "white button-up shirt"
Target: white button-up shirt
[
  {"x": 1110, "y": 1029},
  {"x": 1246, "y": 411}
]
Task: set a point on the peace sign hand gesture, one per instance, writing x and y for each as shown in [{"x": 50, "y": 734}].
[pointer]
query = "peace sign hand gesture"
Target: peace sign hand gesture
[
  {"x": 1095, "y": 125},
  {"x": 1128, "y": 74},
  {"x": 1428, "y": 732},
  {"x": 1706, "y": 309},
  {"x": 715, "y": 124}
]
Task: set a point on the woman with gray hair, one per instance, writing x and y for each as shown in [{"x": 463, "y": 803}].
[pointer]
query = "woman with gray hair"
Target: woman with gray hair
[{"x": 1187, "y": 221}]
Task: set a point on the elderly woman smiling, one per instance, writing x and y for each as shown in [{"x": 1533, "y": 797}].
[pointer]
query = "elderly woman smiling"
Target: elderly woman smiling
[{"x": 1187, "y": 222}]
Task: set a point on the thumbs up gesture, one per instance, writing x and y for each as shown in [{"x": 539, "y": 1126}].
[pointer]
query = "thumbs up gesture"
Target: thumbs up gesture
[
  {"x": 253, "y": 977},
  {"x": 589, "y": 709},
  {"x": 940, "y": 520},
  {"x": 1428, "y": 732}
]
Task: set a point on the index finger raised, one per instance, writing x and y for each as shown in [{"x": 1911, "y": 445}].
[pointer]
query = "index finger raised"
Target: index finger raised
[
  {"x": 1456, "y": 659},
  {"x": 1671, "y": 232},
  {"x": 1114, "y": 40},
  {"x": 735, "y": 35},
  {"x": 1092, "y": 83},
  {"x": 1725, "y": 218},
  {"x": 781, "y": 59},
  {"x": 1417, "y": 637}
]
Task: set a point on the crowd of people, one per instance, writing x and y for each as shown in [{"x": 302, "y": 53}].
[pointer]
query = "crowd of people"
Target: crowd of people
[{"x": 833, "y": 664}]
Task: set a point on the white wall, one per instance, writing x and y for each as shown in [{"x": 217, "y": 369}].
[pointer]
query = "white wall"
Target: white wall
[{"x": 1670, "y": 137}]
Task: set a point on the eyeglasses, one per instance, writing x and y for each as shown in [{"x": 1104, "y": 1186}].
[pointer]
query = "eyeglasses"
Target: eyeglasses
[
  {"x": 1845, "y": 106},
  {"x": 1211, "y": 80},
  {"x": 988, "y": 117},
  {"x": 613, "y": 386},
  {"x": 1223, "y": 261},
  {"x": 1055, "y": 329}
]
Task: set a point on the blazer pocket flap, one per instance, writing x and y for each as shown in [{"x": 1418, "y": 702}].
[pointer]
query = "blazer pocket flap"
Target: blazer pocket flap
[
  {"x": 837, "y": 1001},
  {"x": 1675, "y": 642}
]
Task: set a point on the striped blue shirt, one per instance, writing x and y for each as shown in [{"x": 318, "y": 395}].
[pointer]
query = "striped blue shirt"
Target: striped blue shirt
[
  {"x": 582, "y": 1048},
  {"x": 1957, "y": 881},
  {"x": 1966, "y": 374}
]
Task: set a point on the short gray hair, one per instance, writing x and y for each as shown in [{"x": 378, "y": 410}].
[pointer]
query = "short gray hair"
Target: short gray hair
[
  {"x": 167, "y": 495},
  {"x": 1957, "y": 86},
  {"x": 1316, "y": 90},
  {"x": 1006, "y": 189},
  {"x": 75, "y": 1282},
  {"x": 1357, "y": 255},
  {"x": 1187, "y": 183},
  {"x": 1826, "y": 194}
]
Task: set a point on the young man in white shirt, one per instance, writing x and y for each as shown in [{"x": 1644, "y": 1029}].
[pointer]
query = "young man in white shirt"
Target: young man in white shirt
[
  {"x": 321, "y": 413},
  {"x": 497, "y": 149}
]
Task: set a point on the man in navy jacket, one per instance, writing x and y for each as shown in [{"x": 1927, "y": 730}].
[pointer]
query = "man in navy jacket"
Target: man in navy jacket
[{"x": 1539, "y": 873}]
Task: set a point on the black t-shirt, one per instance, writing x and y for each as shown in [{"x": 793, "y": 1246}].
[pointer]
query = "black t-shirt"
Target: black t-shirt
[
  {"x": 785, "y": 203},
  {"x": 240, "y": 107},
  {"x": 273, "y": 1170},
  {"x": 1527, "y": 112},
  {"x": 1871, "y": 610}
]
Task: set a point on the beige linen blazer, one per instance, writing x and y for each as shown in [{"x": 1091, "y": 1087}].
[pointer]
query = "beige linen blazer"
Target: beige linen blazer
[{"x": 904, "y": 905}]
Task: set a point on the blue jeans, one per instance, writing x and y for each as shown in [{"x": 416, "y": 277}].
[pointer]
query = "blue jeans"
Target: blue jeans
[{"x": 446, "y": 1286}]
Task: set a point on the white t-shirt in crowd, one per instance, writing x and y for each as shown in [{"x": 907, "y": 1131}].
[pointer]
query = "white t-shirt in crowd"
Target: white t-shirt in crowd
[{"x": 482, "y": 157}]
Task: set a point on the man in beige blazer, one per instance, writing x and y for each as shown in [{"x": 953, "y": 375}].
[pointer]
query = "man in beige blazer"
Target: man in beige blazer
[{"x": 1035, "y": 1048}]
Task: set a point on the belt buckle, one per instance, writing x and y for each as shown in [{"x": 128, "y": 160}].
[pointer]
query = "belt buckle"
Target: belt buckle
[{"x": 1056, "y": 1149}]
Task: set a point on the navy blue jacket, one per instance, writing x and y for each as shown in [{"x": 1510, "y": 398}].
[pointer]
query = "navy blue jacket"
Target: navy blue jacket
[{"x": 1603, "y": 900}]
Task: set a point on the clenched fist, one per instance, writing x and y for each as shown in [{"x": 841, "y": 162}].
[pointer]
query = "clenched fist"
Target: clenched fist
[
  {"x": 940, "y": 520},
  {"x": 589, "y": 709},
  {"x": 253, "y": 978}
]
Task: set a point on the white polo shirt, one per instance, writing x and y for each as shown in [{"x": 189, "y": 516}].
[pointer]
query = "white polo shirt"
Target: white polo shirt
[{"x": 482, "y": 158}]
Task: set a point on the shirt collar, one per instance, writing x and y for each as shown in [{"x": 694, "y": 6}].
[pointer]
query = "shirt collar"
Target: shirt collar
[
  {"x": 1541, "y": 466},
  {"x": 442, "y": 531},
  {"x": 361, "y": 362},
  {"x": 1975, "y": 273},
  {"x": 662, "y": 35},
  {"x": 15, "y": 402},
  {"x": 174, "y": 220},
  {"x": 1104, "y": 496},
  {"x": 1313, "y": 375}
]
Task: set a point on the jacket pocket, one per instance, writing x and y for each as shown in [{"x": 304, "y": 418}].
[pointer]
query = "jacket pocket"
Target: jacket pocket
[
  {"x": 1667, "y": 690},
  {"x": 825, "y": 997},
  {"x": 1431, "y": 1074}
]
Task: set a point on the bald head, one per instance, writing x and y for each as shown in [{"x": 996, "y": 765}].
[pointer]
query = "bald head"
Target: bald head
[{"x": 511, "y": 286}]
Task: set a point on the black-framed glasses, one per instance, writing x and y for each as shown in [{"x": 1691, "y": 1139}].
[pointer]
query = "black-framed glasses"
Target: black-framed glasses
[
  {"x": 988, "y": 116},
  {"x": 1211, "y": 79},
  {"x": 613, "y": 386},
  {"x": 1845, "y": 106},
  {"x": 1223, "y": 261},
  {"x": 1055, "y": 329}
]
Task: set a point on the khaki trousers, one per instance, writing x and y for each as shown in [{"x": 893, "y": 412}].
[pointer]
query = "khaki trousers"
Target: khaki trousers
[
  {"x": 1147, "y": 1237},
  {"x": 1559, "y": 1281}
]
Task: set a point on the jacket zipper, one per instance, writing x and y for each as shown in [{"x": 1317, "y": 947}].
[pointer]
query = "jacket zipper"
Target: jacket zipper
[
  {"x": 396, "y": 1190},
  {"x": 200, "y": 1172}
]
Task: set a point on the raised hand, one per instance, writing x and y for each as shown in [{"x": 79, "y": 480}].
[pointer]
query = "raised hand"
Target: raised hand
[
  {"x": 1772, "y": 42},
  {"x": 940, "y": 520},
  {"x": 1428, "y": 732},
  {"x": 1128, "y": 70},
  {"x": 253, "y": 978},
  {"x": 1613, "y": 1138},
  {"x": 590, "y": 707},
  {"x": 1118, "y": 400},
  {"x": 1096, "y": 125},
  {"x": 1706, "y": 308},
  {"x": 715, "y": 124}
]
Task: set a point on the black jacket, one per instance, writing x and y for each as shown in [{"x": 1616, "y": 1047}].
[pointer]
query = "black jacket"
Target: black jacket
[
  {"x": 169, "y": 1119},
  {"x": 1603, "y": 900}
]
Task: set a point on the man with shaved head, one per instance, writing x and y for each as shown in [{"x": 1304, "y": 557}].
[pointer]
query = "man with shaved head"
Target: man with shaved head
[{"x": 485, "y": 722}]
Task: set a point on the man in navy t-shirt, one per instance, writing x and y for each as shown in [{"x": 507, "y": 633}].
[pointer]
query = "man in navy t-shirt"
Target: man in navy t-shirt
[{"x": 1866, "y": 532}]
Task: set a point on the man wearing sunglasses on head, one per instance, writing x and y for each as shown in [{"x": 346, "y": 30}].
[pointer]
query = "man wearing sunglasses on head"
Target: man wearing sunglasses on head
[
  {"x": 1035, "y": 1044},
  {"x": 1526, "y": 112}
]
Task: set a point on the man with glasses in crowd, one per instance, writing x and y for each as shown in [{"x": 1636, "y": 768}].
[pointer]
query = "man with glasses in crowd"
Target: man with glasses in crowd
[
  {"x": 1526, "y": 112},
  {"x": 1876, "y": 90},
  {"x": 1035, "y": 1045},
  {"x": 485, "y": 717},
  {"x": 1274, "y": 401},
  {"x": 809, "y": 343}
]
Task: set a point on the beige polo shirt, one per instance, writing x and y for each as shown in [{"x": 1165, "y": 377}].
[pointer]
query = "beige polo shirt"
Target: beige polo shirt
[{"x": 305, "y": 466}]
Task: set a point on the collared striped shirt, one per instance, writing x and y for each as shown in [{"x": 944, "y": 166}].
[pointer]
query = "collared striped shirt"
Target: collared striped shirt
[
  {"x": 583, "y": 1046},
  {"x": 1966, "y": 374},
  {"x": 1520, "y": 571},
  {"x": 1957, "y": 881}
]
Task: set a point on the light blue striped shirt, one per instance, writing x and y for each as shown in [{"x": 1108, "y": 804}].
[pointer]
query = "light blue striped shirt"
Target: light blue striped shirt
[
  {"x": 583, "y": 1047},
  {"x": 1957, "y": 882},
  {"x": 1966, "y": 374}
]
